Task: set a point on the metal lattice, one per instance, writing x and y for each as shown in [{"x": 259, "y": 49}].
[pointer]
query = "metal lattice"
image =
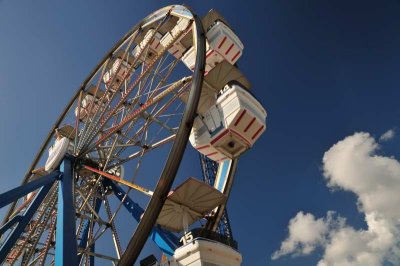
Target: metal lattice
[{"x": 209, "y": 169}]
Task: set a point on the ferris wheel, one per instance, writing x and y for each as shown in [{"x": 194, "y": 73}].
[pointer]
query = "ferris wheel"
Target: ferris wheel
[{"x": 118, "y": 144}]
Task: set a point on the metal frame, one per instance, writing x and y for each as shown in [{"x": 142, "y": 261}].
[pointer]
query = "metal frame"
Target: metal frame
[
  {"x": 66, "y": 250},
  {"x": 209, "y": 169},
  {"x": 26, "y": 218},
  {"x": 212, "y": 224},
  {"x": 85, "y": 236},
  {"x": 70, "y": 104}
]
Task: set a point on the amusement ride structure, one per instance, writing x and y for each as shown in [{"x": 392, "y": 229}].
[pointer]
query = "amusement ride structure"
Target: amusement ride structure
[{"x": 118, "y": 145}]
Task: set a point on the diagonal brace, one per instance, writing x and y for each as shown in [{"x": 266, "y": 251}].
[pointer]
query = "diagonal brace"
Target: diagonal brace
[
  {"x": 18, "y": 230},
  {"x": 16, "y": 193},
  {"x": 164, "y": 239}
]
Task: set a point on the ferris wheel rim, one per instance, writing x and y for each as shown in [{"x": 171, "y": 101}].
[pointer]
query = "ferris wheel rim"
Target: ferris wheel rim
[
  {"x": 190, "y": 108},
  {"x": 75, "y": 96}
]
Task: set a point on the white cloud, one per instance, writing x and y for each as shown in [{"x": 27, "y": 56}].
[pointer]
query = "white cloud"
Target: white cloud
[
  {"x": 306, "y": 233},
  {"x": 353, "y": 165},
  {"x": 388, "y": 135},
  {"x": 371, "y": 247}
]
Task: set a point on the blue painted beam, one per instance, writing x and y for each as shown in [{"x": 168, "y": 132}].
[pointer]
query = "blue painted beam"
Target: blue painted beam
[
  {"x": 10, "y": 223},
  {"x": 66, "y": 246},
  {"x": 133, "y": 208},
  {"x": 18, "y": 192},
  {"x": 18, "y": 230},
  {"x": 164, "y": 239}
]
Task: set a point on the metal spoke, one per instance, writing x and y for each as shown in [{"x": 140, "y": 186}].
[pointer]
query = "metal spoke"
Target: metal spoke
[
  {"x": 114, "y": 232},
  {"x": 102, "y": 120},
  {"x": 126, "y": 111}
]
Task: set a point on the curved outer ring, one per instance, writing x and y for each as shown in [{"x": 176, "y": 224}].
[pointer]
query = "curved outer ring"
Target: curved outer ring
[
  {"x": 171, "y": 167},
  {"x": 167, "y": 177}
]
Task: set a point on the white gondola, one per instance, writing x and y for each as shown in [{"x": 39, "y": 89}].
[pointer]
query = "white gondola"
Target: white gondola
[
  {"x": 119, "y": 76},
  {"x": 225, "y": 42},
  {"x": 152, "y": 49},
  {"x": 205, "y": 252},
  {"x": 85, "y": 110},
  {"x": 231, "y": 126},
  {"x": 177, "y": 49},
  {"x": 212, "y": 58},
  {"x": 222, "y": 44},
  {"x": 57, "y": 152}
]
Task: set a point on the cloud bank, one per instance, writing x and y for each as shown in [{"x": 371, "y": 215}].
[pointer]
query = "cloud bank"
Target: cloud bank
[{"x": 353, "y": 165}]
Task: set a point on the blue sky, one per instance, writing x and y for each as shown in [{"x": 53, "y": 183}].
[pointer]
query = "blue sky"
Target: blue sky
[{"x": 323, "y": 69}]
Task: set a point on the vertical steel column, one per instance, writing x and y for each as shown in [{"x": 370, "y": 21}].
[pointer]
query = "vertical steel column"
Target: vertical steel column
[
  {"x": 209, "y": 169},
  {"x": 19, "y": 229},
  {"x": 66, "y": 247}
]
